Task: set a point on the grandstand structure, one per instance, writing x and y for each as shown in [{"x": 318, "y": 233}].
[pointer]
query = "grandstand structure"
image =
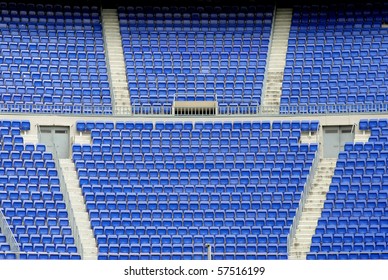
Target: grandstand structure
[{"x": 193, "y": 131}]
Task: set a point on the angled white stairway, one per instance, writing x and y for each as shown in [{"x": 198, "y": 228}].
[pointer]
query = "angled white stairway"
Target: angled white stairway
[
  {"x": 276, "y": 61},
  {"x": 29, "y": 138},
  {"x": 81, "y": 216},
  {"x": 361, "y": 136},
  {"x": 115, "y": 62},
  {"x": 83, "y": 138},
  {"x": 312, "y": 209}
]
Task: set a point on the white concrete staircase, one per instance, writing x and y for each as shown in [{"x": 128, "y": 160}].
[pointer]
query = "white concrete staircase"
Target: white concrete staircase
[
  {"x": 83, "y": 138},
  {"x": 312, "y": 209},
  {"x": 309, "y": 137},
  {"x": 30, "y": 138},
  {"x": 361, "y": 136},
  {"x": 81, "y": 216},
  {"x": 276, "y": 61},
  {"x": 115, "y": 62}
]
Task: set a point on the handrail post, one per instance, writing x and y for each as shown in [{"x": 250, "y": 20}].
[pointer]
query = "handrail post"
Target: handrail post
[{"x": 209, "y": 251}]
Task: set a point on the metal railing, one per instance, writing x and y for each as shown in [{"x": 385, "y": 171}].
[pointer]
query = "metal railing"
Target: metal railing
[
  {"x": 168, "y": 110},
  {"x": 302, "y": 202},
  {"x": 6, "y": 230}
]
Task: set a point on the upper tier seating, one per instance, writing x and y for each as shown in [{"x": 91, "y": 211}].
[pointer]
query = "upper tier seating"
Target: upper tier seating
[
  {"x": 52, "y": 59},
  {"x": 164, "y": 190},
  {"x": 354, "y": 221},
  {"x": 30, "y": 197},
  {"x": 337, "y": 55},
  {"x": 195, "y": 53}
]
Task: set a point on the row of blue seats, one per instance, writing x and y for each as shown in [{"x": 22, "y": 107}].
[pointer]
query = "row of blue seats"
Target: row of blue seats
[
  {"x": 360, "y": 170},
  {"x": 197, "y": 214},
  {"x": 186, "y": 174},
  {"x": 120, "y": 169},
  {"x": 16, "y": 163},
  {"x": 194, "y": 256},
  {"x": 188, "y": 248},
  {"x": 304, "y": 125},
  {"x": 123, "y": 205},
  {"x": 209, "y": 159},
  {"x": 107, "y": 222},
  {"x": 37, "y": 204},
  {"x": 322, "y": 102},
  {"x": 22, "y": 125},
  {"x": 207, "y": 168},
  {"x": 366, "y": 124},
  {"x": 120, "y": 158},
  {"x": 14, "y": 34},
  {"x": 348, "y": 247},
  {"x": 354, "y": 203},
  {"x": 195, "y": 133},
  {"x": 352, "y": 220},
  {"x": 361, "y": 162},
  {"x": 151, "y": 69},
  {"x": 350, "y": 238},
  {"x": 224, "y": 141},
  {"x": 191, "y": 239},
  {"x": 281, "y": 187},
  {"x": 224, "y": 196},
  {"x": 358, "y": 212},
  {"x": 347, "y": 256},
  {"x": 248, "y": 36},
  {"x": 44, "y": 238},
  {"x": 192, "y": 9},
  {"x": 177, "y": 16},
  {"x": 222, "y": 136},
  {"x": 195, "y": 28},
  {"x": 118, "y": 153},
  {"x": 30, "y": 195},
  {"x": 39, "y": 255},
  {"x": 30, "y": 187},
  {"x": 191, "y": 230},
  {"x": 222, "y": 24},
  {"x": 351, "y": 229},
  {"x": 38, "y": 180},
  {"x": 376, "y": 154},
  {"x": 183, "y": 230},
  {"x": 193, "y": 181},
  {"x": 47, "y": 7},
  {"x": 50, "y": 22},
  {"x": 221, "y": 49},
  {"x": 42, "y": 230},
  {"x": 154, "y": 164},
  {"x": 355, "y": 195}
]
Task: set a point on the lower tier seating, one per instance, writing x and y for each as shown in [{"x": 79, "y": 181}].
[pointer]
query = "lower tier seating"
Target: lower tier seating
[
  {"x": 354, "y": 220},
  {"x": 30, "y": 197},
  {"x": 164, "y": 190}
]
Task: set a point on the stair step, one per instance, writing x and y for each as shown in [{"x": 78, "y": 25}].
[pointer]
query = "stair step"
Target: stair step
[
  {"x": 77, "y": 205},
  {"x": 115, "y": 56}
]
